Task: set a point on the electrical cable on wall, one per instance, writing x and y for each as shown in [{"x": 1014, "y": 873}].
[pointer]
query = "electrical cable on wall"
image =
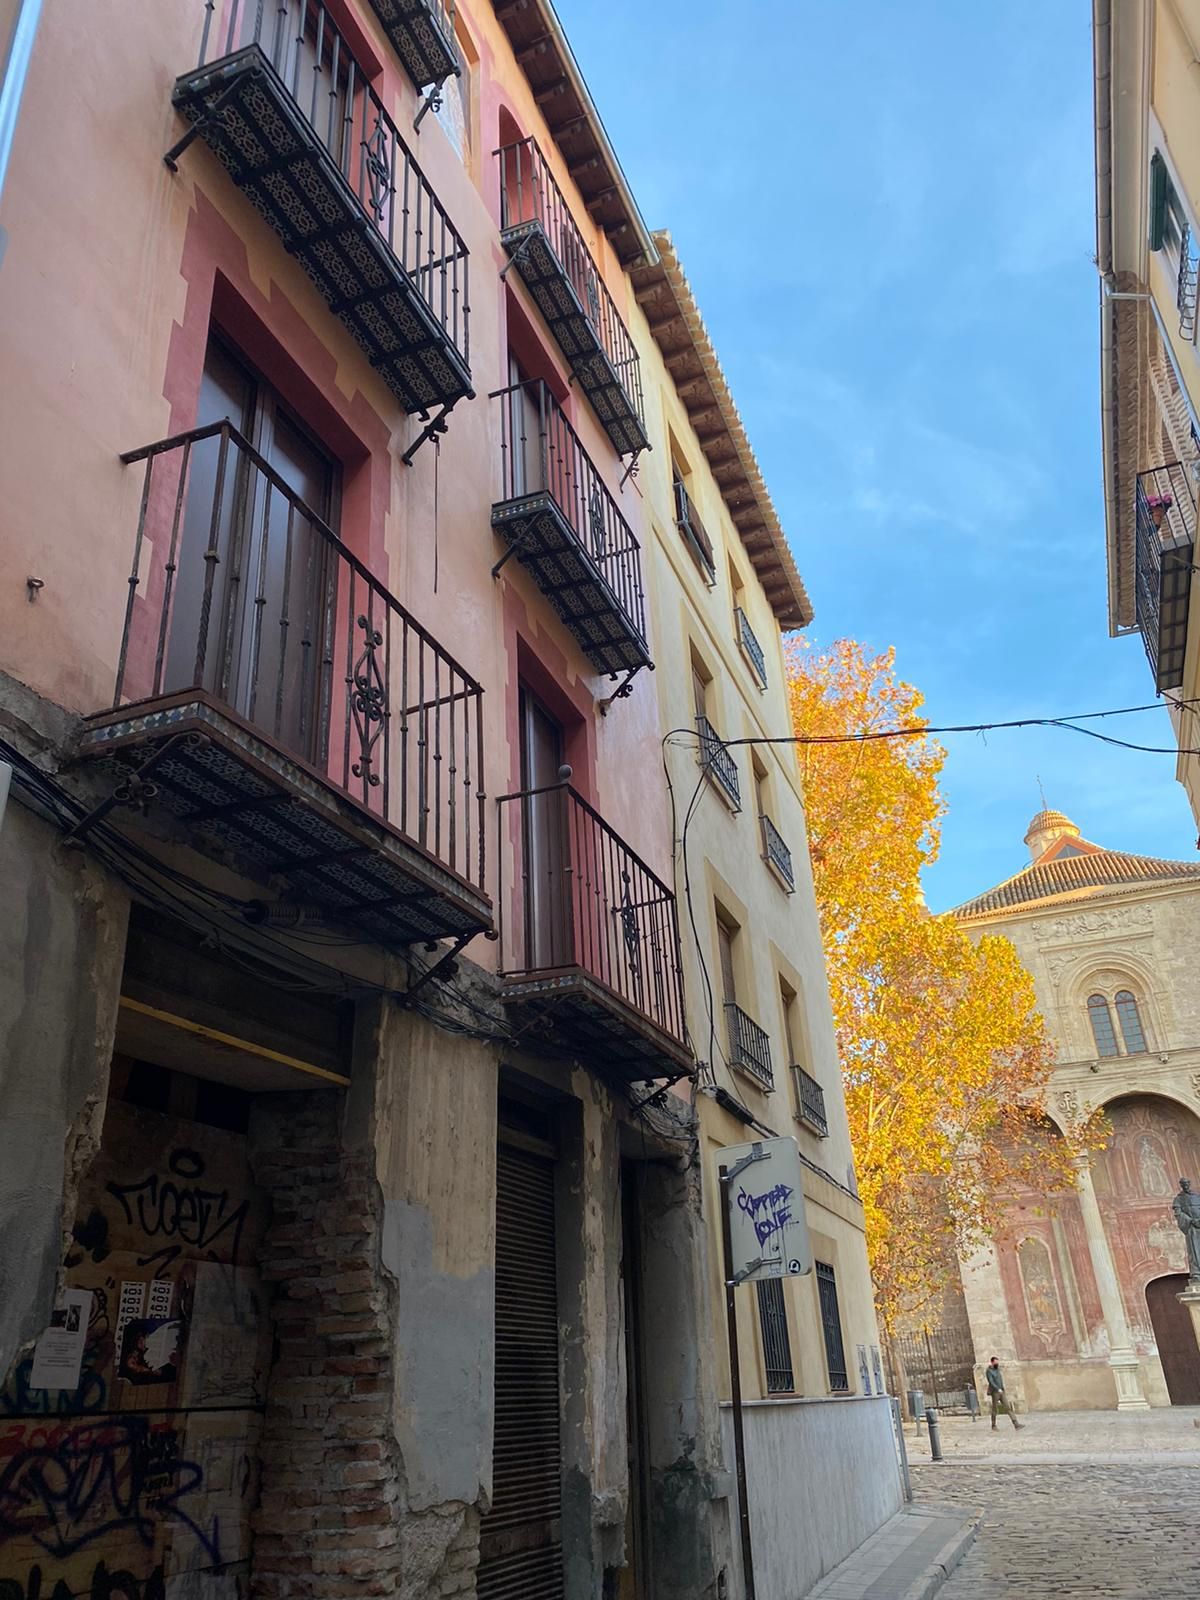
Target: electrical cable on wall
[
  {"x": 219, "y": 917},
  {"x": 919, "y": 730}
]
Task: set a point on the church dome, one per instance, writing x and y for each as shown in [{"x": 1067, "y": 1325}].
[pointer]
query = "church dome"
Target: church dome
[{"x": 1046, "y": 829}]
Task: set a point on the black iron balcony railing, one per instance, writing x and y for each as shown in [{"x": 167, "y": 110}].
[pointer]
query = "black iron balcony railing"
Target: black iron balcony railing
[
  {"x": 561, "y": 522},
  {"x": 688, "y": 522},
  {"x": 422, "y": 34},
  {"x": 546, "y": 246},
  {"x": 1186, "y": 284},
  {"x": 292, "y": 116},
  {"x": 810, "y": 1097},
  {"x": 749, "y": 1046},
  {"x": 717, "y": 762},
  {"x": 589, "y": 934},
  {"x": 249, "y": 618},
  {"x": 751, "y": 649},
  {"x": 1165, "y": 544},
  {"x": 775, "y": 853}
]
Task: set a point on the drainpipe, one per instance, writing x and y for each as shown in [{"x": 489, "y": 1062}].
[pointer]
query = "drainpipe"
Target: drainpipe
[
  {"x": 13, "y": 86},
  {"x": 1102, "y": 35}
]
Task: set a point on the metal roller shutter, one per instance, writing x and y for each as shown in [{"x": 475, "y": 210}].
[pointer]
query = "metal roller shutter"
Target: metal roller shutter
[{"x": 521, "y": 1537}]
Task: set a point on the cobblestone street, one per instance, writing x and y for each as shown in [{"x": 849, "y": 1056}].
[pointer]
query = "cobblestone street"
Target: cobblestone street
[{"x": 1087, "y": 1505}]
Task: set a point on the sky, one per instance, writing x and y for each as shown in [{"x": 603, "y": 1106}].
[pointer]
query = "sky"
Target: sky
[{"x": 886, "y": 213}]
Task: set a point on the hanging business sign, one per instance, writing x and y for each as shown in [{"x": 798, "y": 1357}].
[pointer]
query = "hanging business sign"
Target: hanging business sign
[{"x": 763, "y": 1190}]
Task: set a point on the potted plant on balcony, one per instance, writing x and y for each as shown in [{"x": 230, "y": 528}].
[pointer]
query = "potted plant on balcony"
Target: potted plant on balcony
[{"x": 1158, "y": 505}]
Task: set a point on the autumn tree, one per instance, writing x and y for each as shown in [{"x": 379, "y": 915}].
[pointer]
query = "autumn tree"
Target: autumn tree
[{"x": 944, "y": 1055}]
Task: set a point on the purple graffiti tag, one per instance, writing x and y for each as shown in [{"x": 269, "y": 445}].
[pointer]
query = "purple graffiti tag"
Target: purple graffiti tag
[{"x": 769, "y": 1212}]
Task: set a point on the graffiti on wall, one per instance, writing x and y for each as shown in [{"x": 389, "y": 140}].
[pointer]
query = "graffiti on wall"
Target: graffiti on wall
[{"x": 140, "y": 1482}]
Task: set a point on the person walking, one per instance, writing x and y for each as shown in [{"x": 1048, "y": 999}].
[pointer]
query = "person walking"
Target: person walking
[{"x": 1000, "y": 1401}]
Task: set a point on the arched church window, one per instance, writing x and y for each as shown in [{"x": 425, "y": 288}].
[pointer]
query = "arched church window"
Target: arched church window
[
  {"x": 1100, "y": 1018},
  {"x": 1131, "y": 1023}
]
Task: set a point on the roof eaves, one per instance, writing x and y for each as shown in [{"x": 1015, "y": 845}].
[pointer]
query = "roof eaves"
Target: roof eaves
[
  {"x": 536, "y": 34},
  {"x": 775, "y": 564}
]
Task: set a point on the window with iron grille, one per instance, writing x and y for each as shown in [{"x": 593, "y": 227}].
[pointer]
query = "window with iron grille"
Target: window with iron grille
[
  {"x": 777, "y": 1348},
  {"x": 831, "y": 1325},
  {"x": 1171, "y": 232}
]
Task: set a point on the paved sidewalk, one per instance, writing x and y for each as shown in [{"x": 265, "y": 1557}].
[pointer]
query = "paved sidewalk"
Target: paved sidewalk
[
  {"x": 1090, "y": 1532},
  {"x": 1046, "y": 1435},
  {"x": 907, "y": 1559},
  {"x": 1095, "y": 1505}
]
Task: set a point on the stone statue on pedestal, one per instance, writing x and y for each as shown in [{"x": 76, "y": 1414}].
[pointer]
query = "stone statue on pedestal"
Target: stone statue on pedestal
[{"x": 1186, "y": 1207}]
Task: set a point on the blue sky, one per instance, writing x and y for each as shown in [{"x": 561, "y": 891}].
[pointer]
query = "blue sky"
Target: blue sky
[{"x": 886, "y": 213}]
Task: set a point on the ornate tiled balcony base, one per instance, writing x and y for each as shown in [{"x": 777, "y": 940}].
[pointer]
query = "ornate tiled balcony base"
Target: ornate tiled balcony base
[
  {"x": 584, "y": 1018},
  {"x": 422, "y": 36},
  {"x": 571, "y": 324},
  {"x": 547, "y": 547},
  {"x": 265, "y": 810},
  {"x": 277, "y": 159}
]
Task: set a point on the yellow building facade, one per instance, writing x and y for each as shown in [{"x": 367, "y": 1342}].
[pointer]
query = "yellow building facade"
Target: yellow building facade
[
  {"x": 724, "y": 589},
  {"x": 1148, "y": 255}
]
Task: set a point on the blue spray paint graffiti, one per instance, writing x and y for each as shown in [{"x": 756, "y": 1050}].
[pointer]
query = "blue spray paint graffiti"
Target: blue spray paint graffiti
[
  {"x": 769, "y": 1212},
  {"x": 65, "y": 1487}
]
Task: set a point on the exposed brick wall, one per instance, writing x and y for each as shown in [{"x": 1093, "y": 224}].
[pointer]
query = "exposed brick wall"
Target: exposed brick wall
[
  {"x": 327, "y": 1524},
  {"x": 332, "y": 1520}
]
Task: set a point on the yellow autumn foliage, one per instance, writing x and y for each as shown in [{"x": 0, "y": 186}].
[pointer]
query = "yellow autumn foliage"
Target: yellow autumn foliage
[{"x": 944, "y": 1055}]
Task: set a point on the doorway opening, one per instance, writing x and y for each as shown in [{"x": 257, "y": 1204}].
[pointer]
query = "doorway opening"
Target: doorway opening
[{"x": 1175, "y": 1337}]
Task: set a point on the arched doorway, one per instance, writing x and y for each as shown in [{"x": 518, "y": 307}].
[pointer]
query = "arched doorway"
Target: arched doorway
[{"x": 1176, "y": 1338}]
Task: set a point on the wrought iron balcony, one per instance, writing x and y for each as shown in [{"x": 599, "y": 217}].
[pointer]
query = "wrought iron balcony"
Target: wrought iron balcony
[
  {"x": 776, "y": 854},
  {"x": 718, "y": 763},
  {"x": 749, "y": 1046},
  {"x": 590, "y": 939},
  {"x": 288, "y": 111},
  {"x": 687, "y": 520},
  {"x": 547, "y": 248},
  {"x": 565, "y": 527},
  {"x": 1165, "y": 544},
  {"x": 751, "y": 649},
  {"x": 810, "y": 1098},
  {"x": 422, "y": 34},
  {"x": 291, "y": 711}
]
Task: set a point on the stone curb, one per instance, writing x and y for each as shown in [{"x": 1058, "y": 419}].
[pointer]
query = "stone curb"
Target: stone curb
[
  {"x": 870, "y": 1582},
  {"x": 948, "y": 1557}
]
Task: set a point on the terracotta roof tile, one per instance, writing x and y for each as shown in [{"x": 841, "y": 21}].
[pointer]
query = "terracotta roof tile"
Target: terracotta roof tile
[{"x": 1049, "y": 879}]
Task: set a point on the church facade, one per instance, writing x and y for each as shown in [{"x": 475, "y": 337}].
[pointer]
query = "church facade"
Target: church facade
[{"x": 1077, "y": 1294}]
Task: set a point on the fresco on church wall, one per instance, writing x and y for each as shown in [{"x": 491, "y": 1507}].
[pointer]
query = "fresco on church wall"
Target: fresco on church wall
[
  {"x": 1155, "y": 1143},
  {"x": 1053, "y": 1305},
  {"x": 1043, "y": 1308}
]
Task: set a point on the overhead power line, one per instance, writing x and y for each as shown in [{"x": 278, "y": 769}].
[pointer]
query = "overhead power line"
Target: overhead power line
[{"x": 919, "y": 730}]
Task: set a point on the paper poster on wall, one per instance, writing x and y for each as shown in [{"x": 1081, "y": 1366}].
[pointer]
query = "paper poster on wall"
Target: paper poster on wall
[
  {"x": 131, "y": 1304},
  {"x": 864, "y": 1372},
  {"x": 877, "y": 1368},
  {"x": 58, "y": 1354},
  {"x": 150, "y": 1350}
]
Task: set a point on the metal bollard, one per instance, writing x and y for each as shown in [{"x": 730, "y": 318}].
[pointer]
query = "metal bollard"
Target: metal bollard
[
  {"x": 935, "y": 1434},
  {"x": 973, "y": 1402}
]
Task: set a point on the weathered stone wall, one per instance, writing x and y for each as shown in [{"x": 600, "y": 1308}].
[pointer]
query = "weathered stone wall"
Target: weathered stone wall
[{"x": 62, "y": 939}]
